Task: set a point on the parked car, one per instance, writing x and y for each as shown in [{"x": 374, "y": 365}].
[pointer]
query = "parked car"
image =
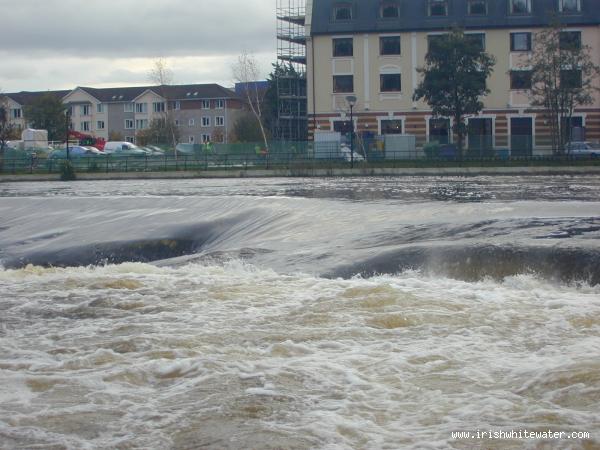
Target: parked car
[
  {"x": 76, "y": 151},
  {"x": 583, "y": 149},
  {"x": 152, "y": 150},
  {"x": 119, "y": 148}
]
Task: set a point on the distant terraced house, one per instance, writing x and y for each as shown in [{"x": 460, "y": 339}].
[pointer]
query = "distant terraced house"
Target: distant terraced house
[
  {"x": 202, "y": 112},
  {"x": 371, "y": 49}
]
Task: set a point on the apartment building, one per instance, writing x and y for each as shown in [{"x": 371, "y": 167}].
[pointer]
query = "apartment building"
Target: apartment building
[
  {"x": 202, "y": 112},
  {"x": 372, "y": 49}
]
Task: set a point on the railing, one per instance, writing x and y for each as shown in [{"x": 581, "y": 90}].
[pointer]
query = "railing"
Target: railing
[{"x": 291, "y": 160}]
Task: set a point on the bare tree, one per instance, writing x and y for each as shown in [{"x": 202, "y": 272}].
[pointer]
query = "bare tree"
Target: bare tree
[
  {"x": 563, "y": 77},
  {"x": 162, "y": 76},
  {"x": 247, "y": 72}
]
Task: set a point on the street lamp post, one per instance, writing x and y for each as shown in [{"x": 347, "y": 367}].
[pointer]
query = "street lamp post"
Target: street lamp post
[
  {"x": 351, "y": 99},
  {"x": 68, "y": 119}
]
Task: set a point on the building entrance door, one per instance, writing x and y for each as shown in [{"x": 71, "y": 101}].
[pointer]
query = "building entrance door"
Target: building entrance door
[
  {"x": 521, "y": 136},
  {"x": 480, "y": 137}
]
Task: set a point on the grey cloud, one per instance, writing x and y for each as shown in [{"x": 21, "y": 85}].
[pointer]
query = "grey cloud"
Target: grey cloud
[{"x": 132, "y": 28}]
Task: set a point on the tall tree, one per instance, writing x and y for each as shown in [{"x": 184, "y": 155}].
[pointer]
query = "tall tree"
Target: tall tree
[
  {"x": 47, "y": 113},
  {"x": 563, "y": 77},
  {"x": 164, "y": 128},
  {"x": 8, "y": 130},
  {"x": 246, "y": 71},
  {"x": 454, "y": 79}
]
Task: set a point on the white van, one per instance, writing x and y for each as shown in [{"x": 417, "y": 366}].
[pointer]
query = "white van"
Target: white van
[{"x": 123, "y": 148}]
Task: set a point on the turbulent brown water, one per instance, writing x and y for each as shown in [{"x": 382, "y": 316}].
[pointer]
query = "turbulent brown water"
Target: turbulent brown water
[{"x": 324, "y": 313}]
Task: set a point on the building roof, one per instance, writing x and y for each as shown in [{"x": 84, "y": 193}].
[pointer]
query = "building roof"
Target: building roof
[
  {"x": 24, "y": 97},
  {"x": 128, "y": 94},
  {"x": 414, "y": 16}
]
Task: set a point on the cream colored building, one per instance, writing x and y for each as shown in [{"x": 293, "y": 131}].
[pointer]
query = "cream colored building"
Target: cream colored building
[{"x": 372, "y": 49}]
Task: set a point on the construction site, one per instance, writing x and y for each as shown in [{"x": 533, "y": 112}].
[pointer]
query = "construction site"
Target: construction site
[{"x": 292, "y": 122}]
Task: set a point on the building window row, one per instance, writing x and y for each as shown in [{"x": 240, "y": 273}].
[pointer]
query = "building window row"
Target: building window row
[{"x": 390, "y": 9}]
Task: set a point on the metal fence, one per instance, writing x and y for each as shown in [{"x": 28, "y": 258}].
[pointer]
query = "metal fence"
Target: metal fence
[{"x": 290, "y": 155}]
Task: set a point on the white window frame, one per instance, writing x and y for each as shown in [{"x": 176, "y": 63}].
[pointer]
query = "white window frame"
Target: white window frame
[
  {"x": 100, "y": 125},
  {"x": 191, "y": 139},
  {"x": 205, "y": 138},
  {"x": 510, "y": 8},
  {"x": 129, "y": 107},
  {"x": 191, "y": 123},
  {"x": 177, "y": 105},
  {"x": 220, "y": 104},
  {"x": 206, "y": 121},
  {"x": 85, "y": 110},
  {"x": 129, "y": 124},
  {"x": 176, "y": 122},
  {"x": 560, "y": 7},
  {"x": 130, "y": 139},
  {"x": 100, "y": 108},
  {"x": 219, "y": 121},
  {"x": 143, "y": 124},
  {"x": 86, "y": 126},
  {"x": 16, "y": 113},
  {"x": 205, "y": 104},
  {"x": 141, "y": 108}
]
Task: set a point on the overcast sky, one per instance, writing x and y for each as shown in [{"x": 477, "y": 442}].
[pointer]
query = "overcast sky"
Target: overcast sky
[{"x": 60, "y": 44}]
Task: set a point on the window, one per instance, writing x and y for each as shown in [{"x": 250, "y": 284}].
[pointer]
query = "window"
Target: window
[
  {"x": 206, "y": 121},
  {"x": 477, "y": 7},
  {"x": 438, "y": 8},
  {"x": 571, "y": 79},
  {"x": 343, "y": 47},
  {"x": 191, "y": 123},
  {"x": 570, "y": 40},
  {"x": 389, "y": 10},
  {"x": 439, "y": 130},
  {"x": 342, "y": 12},
  {"x": 205, "y": 104},
  {"x": 477, "y": 39},
  {"x": 176, "y": 122},
  {"x": 141, "y": 108},
  {"x": 520, "y": 79},
  {"x": 390, "y": 82},
  {"x": 220, "y": 121},
  {"x": 206, "y": 138},
  {"x": 519, "y": 6},
  {"x": 343, "y": 84},
  {"x": 16, "y": 113},
  {"x": 128, "y": 107},
  {"x": 391, "y": 127},
  {"x": 141, "y": 124},
  {"x": 520, "y": 42},
  {"x": 435, "y": 39},
  {"x": 100, "y": 125},
  {"x": 85, "y": 126},
  {"x": 99, "y": 108},
  {"x": 129, "y": 124},
  {"x": 130, "y": 139},
  {"x": 220, "y": 104},
  {"x": 191, "y": 139},
  {"x": 569, "y": 6},
  {"x": 389, "y": 45},
  {"x": 177, "y": 105},
  {"x": 85, "y": 110},
  {"x": 158, "y": 107}
]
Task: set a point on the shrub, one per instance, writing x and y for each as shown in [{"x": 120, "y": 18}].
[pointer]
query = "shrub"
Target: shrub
[{"x": 431, "y": 149}]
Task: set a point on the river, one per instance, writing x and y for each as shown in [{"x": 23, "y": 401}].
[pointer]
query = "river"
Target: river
[{"x": 365, "y": 313}]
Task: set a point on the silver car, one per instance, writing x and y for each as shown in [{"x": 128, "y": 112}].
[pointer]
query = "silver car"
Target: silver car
[{"x": 585, "y": 149}]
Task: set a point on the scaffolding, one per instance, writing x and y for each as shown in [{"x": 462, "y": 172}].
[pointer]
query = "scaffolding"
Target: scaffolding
[{"x": 292, "y": 119}]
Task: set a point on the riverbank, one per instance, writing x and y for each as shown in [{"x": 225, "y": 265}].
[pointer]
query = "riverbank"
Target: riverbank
[{"x": 316, "y": 172}]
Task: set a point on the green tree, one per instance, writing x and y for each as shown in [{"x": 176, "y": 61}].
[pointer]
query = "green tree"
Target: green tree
[
  {"x": 280, "y": 73},
  {"x": 454, "y": 79},
  {"x": 246, "y": 129},
  {"x": 47, "y": 113},
  {"x": 562, "y": 78},
  {"x": 8, "y": 130}
]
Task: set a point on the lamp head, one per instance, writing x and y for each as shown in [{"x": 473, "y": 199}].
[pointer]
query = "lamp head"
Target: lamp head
[{"x": 351, "y": 99}]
